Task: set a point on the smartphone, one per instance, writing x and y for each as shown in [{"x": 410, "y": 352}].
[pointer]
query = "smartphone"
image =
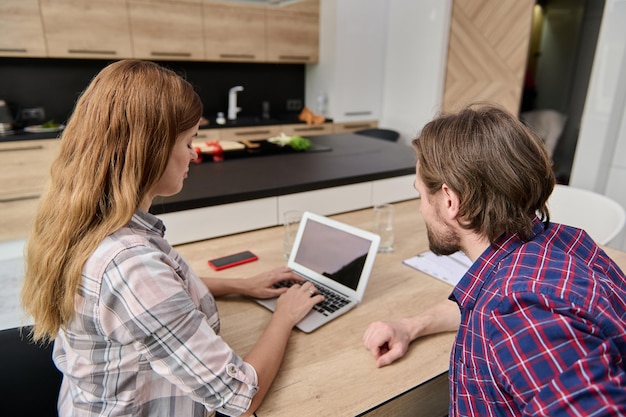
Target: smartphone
[{"x": 232, "y": 260}]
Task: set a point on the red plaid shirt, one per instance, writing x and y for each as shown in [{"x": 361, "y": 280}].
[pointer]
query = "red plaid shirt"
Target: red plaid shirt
[{"x": 543, "y": 329}]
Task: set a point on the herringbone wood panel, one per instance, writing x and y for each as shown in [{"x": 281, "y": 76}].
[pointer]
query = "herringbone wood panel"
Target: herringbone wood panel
[{"x": 487, "y": 52}]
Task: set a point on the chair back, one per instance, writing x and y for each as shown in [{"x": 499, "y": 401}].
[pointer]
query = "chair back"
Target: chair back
[
  {"x": 30, "y": 380},
  {"x": 597, "y": 214},
  {"x": 378, "y": 133}
]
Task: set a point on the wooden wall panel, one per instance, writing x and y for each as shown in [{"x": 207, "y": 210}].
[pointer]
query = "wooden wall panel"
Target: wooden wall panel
[{"x": 487, "y": 52}]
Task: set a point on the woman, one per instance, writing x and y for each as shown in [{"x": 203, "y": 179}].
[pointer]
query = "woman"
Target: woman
[{"x": 135, "y": 330}]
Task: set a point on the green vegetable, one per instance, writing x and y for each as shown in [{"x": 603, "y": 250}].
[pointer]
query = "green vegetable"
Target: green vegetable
[
  {"x": 296, "y": 142},
  {"x": 50, "y": 124},
  {"x": 299, "y": 143}
]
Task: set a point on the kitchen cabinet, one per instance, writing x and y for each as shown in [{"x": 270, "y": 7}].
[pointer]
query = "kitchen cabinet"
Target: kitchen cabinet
[
  {"x": 220, "y": 220},
  {"x": 234, "y": 32},
  {"x": 250, "y": 133},
  {"x": 86, "y": 28},
  {"x": 293, "y": 32},
  {"x": 24, "y": 170},
  {"x": 21, "y": 31},
  {"x": 307, "y": 130},
  {"x": 350, "y": 127},
  {"x": 350, "y": 73},
  {"x": 166, "y": 29}
]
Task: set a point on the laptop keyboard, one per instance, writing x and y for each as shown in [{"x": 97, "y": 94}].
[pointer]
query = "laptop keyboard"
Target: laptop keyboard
[{"x": 332, "y": 301}]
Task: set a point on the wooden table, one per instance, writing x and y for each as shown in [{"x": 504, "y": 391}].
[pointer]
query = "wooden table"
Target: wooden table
[{"x": 329, "y": 372}]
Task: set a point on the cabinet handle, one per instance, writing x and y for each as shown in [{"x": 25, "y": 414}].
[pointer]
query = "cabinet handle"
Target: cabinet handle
[
  {"x": 308, "y": 129},
  {"x": 357, "y": 126},
  {"x": 22, "y": 148},
  {"x": 13, "y": 50},
  {"x": 357, "y": 113},
  {"x": 91, "y": 51},
  {"x": 295, "y": 57},
  {"x": 253, "y": 132},
  {"x": 178, "y": 54},
  {"x": 22, "y": 198},
  {"x": 238, "y": 56}
]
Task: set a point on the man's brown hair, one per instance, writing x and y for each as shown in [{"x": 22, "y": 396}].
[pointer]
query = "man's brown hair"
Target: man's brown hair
[{"x": 498, "y": 167}]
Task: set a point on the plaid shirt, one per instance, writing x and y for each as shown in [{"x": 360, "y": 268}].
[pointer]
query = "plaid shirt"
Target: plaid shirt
[
  {"x": 144, "y": 338},
  {"x": 543, "y": 329}
]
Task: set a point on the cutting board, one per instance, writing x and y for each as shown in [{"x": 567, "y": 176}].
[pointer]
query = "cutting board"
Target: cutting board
[{"x": 226, "y": 145}]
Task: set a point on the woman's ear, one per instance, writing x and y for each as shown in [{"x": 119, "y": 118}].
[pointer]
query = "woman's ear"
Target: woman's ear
[{"x": 451, "y": 202}]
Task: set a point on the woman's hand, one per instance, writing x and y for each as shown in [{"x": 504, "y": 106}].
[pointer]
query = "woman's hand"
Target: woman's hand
[
  {"x": 296, "y": 302},
  {"x": 262, "y": 285}
]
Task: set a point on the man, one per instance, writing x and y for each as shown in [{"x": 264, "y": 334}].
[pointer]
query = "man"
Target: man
[{"x": 542, "y": 323}]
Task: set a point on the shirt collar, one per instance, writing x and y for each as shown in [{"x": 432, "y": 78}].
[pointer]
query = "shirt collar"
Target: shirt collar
[
  {"x": 468, "y": 289},
  {"x": 143, "y": 220}
]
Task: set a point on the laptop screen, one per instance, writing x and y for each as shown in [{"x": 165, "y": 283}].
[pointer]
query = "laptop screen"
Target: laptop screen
[{"x": 334, "y": 253}]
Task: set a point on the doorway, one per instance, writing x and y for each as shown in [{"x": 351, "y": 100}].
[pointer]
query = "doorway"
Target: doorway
[{"x": 561, "y": 52}]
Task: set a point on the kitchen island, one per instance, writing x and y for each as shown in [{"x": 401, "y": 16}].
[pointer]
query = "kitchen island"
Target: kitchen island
[
  {"x": 342, "y": 172},
  {"x": 347, "y": 172}
]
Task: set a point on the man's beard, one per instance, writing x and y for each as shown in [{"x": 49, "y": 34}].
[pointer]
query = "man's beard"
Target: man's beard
[{"x": 444, "y": 243}]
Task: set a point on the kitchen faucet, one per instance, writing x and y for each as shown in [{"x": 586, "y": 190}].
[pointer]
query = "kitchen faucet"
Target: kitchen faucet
[{"x": 232, "y": 102}]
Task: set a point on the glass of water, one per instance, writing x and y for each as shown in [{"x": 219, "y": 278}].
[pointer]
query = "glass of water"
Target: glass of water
[
  {"x": 291, "y": 223},
  {"x": 383, "y": 226}
]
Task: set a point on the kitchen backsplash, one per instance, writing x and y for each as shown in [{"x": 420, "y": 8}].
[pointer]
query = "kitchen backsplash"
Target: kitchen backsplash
[{"x": 54, "y": 84}]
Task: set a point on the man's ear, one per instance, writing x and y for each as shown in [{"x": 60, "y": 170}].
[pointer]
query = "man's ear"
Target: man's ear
[{"x": 451, "y": 203}]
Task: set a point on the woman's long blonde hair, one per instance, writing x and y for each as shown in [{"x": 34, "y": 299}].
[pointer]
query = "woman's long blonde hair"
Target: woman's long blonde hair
[{"x": 115, "y": 148}]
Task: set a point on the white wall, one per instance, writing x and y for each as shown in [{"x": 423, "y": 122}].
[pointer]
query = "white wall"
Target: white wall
[{"x": 600, "y": 159}]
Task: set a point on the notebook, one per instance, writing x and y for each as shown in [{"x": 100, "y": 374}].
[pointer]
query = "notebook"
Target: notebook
[{"x": 338, "y": 259}]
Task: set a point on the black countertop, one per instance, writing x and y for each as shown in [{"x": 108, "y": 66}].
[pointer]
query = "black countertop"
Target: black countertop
[{"x": 351, "y": 159}]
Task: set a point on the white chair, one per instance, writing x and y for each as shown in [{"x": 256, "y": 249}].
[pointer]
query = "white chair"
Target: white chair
[{"x": 597, "y": 214}]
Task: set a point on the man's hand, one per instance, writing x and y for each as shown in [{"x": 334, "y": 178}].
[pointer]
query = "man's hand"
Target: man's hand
[{"x": 387, "y": 341}]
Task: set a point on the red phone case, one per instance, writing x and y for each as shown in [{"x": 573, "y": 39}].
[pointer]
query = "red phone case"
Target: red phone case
[{"x": 237, "y": 259}]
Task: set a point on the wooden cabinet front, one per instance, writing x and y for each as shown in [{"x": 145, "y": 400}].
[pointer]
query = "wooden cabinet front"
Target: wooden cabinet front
[
  {"x": 293, "y": 32},
  {"x": 168, "y": 30},
  {"x": 308, "y": 130},
  {"x": 234, "y": 32},
  {"x": 21, "y": 31},
  {"x": 349, "y": 127},
  {"x": 24, "y": 170},
  {"x": 250, "y": 133},
  {"x": 86, "y": 28}
]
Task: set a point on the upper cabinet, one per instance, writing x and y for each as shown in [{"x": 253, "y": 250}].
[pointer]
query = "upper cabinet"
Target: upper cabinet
[
  {"x": 166, "y": 29},
  {"x": 21, "y": 32},
  {"x": 195, "y": 30},
  {"x": 293, "y": 32},
  {"x": 86, "y": 28},
  {"x": 234, "y": 32}
]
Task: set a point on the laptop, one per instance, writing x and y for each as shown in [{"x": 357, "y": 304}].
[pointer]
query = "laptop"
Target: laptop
[{"x": 338, "y": 259}]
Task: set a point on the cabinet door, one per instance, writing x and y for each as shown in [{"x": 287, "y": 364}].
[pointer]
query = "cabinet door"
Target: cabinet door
[
  {"x": 349, "y": 127},
  {"x": 293, "y": 32},
  {"x": 250, "y": 133},
  {"x": 166, "y": 29},
  {"x": 234, "y": 32},
  {"x": 360, "y": 53},
  {"x": 86, "y": 28},
  {"x": 21, "y": 31},
  {"x": 307, "y": 130},
  {"x": 350, "y": 73},
  {"x": 24, "y": 167}
]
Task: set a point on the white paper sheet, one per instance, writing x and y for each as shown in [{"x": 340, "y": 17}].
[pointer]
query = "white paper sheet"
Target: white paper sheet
[{"x": 448, "y": 269}]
